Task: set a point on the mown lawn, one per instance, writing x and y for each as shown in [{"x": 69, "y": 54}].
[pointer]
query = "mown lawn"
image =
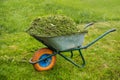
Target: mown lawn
[{"x": 17, "y": 47}]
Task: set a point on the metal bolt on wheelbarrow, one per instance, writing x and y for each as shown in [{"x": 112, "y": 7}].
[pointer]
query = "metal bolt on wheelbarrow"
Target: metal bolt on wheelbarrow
[{"x": 45, "y": 58}]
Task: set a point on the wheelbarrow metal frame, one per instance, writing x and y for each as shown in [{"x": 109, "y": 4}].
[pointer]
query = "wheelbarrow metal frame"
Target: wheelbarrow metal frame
[{"x": 72, "y": 49}]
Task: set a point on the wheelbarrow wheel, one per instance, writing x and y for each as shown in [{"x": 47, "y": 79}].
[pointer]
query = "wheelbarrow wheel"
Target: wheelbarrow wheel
[{"x": 44, "y": 64}]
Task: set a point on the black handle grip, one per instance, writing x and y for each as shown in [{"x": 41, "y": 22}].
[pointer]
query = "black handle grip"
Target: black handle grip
[
  {"x": 89, "y": 24},
  {"x": 112, "y": 30}
]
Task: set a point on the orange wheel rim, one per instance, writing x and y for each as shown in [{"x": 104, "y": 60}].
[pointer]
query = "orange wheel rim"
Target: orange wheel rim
[{"x": 44, "y": 65}]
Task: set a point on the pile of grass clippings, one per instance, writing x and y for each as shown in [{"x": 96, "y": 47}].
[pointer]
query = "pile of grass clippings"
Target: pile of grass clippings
[{"x": 53, "y": 25}]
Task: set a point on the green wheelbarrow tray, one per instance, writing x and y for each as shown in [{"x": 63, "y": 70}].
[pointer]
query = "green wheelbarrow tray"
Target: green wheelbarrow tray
[
  {"x": 67, "y": 43},
  {"x": 62, "y": 43}
]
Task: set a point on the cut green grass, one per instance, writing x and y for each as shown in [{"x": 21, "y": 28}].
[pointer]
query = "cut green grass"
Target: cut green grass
[
  {"x": 17, "y": 18},
  {"x": 103, "y": 58},
  {"x": 17, "y": 47}
]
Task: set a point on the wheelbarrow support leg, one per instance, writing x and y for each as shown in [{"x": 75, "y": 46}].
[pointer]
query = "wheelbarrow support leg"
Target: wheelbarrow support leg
[
  {"x": 82, "y": 58},
  {"x": 71, "y": 61},
  {"x": 71, "y": 54}
]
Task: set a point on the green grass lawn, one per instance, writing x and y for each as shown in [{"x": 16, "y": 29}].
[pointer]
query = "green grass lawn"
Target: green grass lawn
[{"x": 17, "y": 47}]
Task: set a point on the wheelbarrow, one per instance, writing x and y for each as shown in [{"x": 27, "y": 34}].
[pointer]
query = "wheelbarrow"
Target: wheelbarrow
[{"x": 45, "y": 58}]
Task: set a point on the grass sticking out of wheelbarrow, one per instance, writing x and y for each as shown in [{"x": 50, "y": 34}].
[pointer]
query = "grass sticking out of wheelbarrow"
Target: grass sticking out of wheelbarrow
[{"x": 53, "y": 25}]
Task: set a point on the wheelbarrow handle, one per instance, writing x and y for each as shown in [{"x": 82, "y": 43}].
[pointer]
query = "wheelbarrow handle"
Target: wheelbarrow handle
[
  {"x": 112, "y": 30},
  {"x": 98, "y": 38},
  {"x": 89, "y": 24}
]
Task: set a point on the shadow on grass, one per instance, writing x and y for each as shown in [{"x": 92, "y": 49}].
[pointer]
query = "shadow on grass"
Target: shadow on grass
[{"x": 3, "y": 77}]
